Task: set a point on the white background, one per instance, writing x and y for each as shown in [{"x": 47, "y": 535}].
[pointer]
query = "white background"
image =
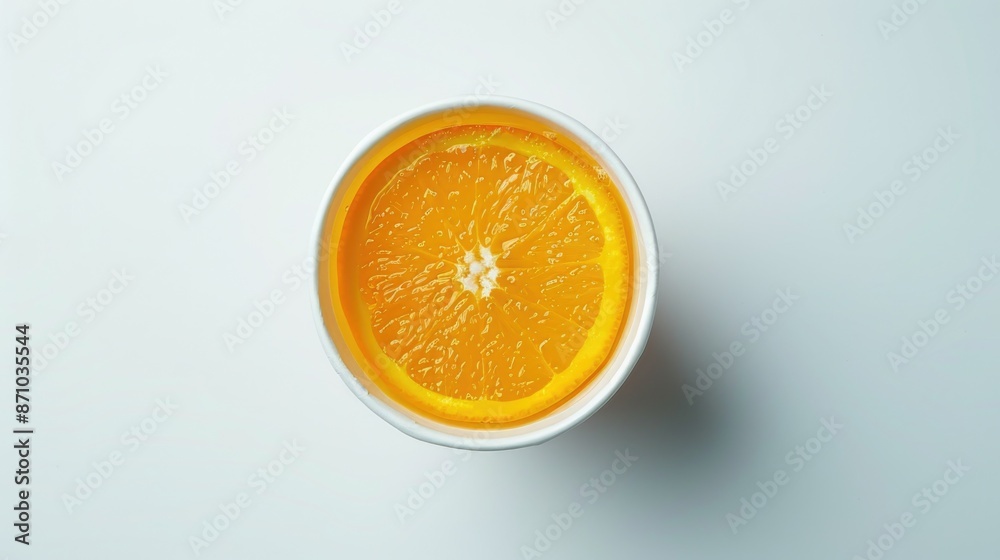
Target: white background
[{"x": 162, "y": 337}]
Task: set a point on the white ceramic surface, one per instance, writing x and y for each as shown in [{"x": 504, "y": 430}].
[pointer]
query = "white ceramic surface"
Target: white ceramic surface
[{"x": 599, "y": 390}]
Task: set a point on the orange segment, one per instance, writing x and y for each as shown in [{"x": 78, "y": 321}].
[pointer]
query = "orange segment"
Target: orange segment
[
  {"x": 570, "y": 234},
  {"x": 516, "y": 193},
  {"x": 493, "y": 274},
  {"x": 572, "y": 290}
]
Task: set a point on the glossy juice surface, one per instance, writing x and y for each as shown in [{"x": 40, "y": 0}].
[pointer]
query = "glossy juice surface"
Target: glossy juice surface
[{"x": 482, "y": 271}]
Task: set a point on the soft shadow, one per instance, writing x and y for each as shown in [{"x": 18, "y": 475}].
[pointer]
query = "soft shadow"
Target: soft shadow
[
  {"x": 652, "y": 410},
  {"x": 691, "y": 451}
]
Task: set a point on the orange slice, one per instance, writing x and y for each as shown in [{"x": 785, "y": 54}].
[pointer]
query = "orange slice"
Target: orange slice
[{"x": 490, "y": 274}]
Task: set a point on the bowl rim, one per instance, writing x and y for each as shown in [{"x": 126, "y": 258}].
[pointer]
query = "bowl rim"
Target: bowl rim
[{"x": 646, "y": 300}]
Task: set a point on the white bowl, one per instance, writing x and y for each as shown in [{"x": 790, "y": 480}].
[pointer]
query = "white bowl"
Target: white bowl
[{"x": 605, "y": 382}]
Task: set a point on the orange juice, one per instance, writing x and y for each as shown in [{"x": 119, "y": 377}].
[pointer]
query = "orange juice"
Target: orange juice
[{"x": 480, "y": 267}]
